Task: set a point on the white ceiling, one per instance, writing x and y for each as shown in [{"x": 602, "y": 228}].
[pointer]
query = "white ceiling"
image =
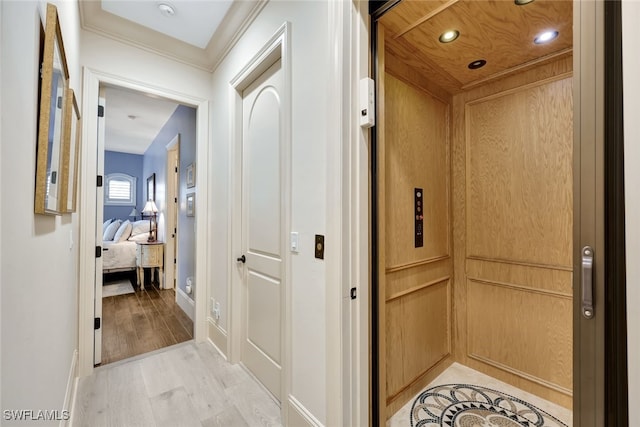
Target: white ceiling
[
  {"x": 193, "y": 22},
  {"x": 133, "y": 135},
  {"x": 199, "y": 34}
]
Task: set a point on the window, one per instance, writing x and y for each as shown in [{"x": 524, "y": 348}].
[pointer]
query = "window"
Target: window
[{"x": 120, "y": 189}]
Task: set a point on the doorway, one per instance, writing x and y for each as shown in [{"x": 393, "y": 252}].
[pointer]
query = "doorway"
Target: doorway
[
  {"x": 476, "y": 185},
  {"x": 140, "y": 311},
  {"x": 93, "y": 80}
]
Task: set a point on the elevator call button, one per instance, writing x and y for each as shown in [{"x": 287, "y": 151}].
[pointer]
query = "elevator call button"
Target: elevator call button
[{"x": 419, "y": 217}]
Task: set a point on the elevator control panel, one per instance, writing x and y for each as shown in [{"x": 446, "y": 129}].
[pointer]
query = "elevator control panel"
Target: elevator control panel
[{"x": 419, "y": 217}]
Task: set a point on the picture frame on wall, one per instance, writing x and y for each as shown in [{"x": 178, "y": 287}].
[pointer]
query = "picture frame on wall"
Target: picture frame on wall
[
  {"x": 49, "y": 192},
  {"x": 151, "y": 187},
  {"x": 191, "y": 175},
  {"x": 191, "y": 204}
]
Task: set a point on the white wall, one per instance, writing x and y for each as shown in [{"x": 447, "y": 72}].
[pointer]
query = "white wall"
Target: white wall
[
  {"x": 310, "y": 79},
  {"x": 137, "y": 65},
  {"x": 631, "y": 64},
  {"x": 38, "y": 265}
]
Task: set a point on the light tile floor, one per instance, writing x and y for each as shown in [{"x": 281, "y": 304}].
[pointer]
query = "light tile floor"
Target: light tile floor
[
  {"x": 181, "y": 386},
  {"x": 459, "y": 374}
]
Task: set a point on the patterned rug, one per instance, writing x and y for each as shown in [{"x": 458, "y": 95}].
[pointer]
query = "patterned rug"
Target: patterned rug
[
  {"x": 117, "y": 288},
  {"x": 465, "y": 405}
]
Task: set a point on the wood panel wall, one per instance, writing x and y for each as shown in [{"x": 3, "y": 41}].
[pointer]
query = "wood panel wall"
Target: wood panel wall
[
  {"x": 512, "y": 204},
  {"x": 415, "y": 283}
]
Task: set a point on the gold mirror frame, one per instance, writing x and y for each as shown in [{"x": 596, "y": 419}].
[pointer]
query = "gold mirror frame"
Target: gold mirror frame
[
  {"x": 71, "y": 153},
  {"x": 49, "y": 190}
]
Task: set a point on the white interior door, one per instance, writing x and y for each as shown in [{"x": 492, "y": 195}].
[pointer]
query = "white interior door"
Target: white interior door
[
  {"x": 97, "y": 336},
  {"x": 262, "y": 225}
]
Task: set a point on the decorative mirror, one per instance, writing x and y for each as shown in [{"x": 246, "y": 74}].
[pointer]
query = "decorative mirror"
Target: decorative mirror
[
  {"x": 53, "y": 86},
  {"x": 71, "y": 152}
]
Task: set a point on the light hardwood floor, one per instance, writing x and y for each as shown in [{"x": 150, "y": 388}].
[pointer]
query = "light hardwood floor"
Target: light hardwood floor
[{"x": 186, "y": 385}]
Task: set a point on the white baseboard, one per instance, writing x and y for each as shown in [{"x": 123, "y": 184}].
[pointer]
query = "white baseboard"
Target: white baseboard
[
  {"x": 299, "y": 416},
  {"x": 218, "y": 337},
  {"x": 72, "y": 388},
  {"x": 185, "y": 302}
]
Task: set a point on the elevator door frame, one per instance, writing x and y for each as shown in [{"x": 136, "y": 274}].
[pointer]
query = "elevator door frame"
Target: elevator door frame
[{"x": 598, "y": 197}]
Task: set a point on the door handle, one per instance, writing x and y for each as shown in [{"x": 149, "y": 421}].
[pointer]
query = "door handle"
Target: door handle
[
  {"x": 242, "y": 259},
  {"x": 587, "y": 282}
]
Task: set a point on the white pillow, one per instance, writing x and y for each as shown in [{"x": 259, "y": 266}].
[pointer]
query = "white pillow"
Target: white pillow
[
  {"x": 142, "y": 237},
  {"x": 123, "y": 233},
  {"x": 106, "y": 224},
  {"x": 111, "y": 230},
  {"x": 139, "y": 227}
]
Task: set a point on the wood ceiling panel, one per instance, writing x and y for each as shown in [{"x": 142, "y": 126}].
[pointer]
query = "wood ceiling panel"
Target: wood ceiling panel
[
  {"x": 499, "y": 32},
  {"x": 410, "y": 13}
]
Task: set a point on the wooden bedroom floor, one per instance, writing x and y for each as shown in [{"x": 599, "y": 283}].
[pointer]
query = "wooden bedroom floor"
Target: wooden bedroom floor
[{"x": 141, "y": 322}]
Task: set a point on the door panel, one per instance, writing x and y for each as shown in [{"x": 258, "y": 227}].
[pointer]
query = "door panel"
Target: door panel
[
  {"x": 589, "y": 343},
  {"x": 262, "y": 227}
]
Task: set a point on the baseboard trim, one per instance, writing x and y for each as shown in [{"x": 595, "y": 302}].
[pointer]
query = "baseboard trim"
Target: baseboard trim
[
  {"x": 218, "y": 337},
  {"x": 185, "y": 302},
  {"x": 70, "y": 393},
  {"x": 298, "y": 415}
]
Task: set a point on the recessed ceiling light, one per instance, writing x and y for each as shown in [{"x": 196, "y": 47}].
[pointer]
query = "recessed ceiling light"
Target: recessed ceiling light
[
  {"x": 478, "y": 63},
  {"x": 449, "y": 36},
  {"x": 545, "y": 37},
  {"x": 166, "y": 9},
  {"x": 522, "y": 2}
]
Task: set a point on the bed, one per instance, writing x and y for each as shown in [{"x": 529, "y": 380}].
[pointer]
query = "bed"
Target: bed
[{"x": 119, "y": 244}]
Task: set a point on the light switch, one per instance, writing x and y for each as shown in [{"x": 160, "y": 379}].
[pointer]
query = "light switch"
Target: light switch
[{"x": 294, "y": 241}]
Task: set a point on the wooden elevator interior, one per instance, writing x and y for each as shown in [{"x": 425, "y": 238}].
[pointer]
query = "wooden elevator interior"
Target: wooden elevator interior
[{"x": 491, "y": 151}]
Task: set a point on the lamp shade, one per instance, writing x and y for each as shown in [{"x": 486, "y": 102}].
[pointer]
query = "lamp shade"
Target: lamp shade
[
  {"x": 150, "y": 208},
  {"x": 134, "y": 212}
]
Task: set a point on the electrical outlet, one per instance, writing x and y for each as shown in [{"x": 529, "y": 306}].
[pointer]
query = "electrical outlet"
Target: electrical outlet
[{"x": 216, "y": 311}]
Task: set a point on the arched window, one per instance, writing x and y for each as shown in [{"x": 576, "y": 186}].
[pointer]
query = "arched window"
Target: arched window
[{"x": 120, "y": 189}]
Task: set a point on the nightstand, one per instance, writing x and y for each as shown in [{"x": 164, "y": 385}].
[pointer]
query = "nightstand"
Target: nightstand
[{"x": 150, "y": 255}]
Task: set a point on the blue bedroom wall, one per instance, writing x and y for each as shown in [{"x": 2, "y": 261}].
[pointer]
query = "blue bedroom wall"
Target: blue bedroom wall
[
  {"x": 183, "y": 123},
  {"x": 131, "y": 164}
]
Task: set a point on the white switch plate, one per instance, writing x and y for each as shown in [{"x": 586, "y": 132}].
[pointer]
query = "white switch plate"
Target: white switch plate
[{"x": 294, "y": 241}]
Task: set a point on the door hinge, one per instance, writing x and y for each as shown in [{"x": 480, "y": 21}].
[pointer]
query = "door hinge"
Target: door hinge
[
  {"x": 175, "y": 260},
  {"x": 353, "y": 293},
  {"x": 98, "y": 251},
  {"x": 176, "y": 169},
  {"x": 100, "y": 110},
  {"x": 99, "y": 181},
  {"x": 176, "y": 199},
  {"x": 96, "y": 323}
]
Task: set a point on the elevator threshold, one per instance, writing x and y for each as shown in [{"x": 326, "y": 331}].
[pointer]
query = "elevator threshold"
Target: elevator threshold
[{"x": 461, "y": 396}]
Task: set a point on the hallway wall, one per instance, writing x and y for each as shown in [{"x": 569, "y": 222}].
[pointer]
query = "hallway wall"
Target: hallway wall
[
  {"x": 310, "y": 71},
  {"x": 182, "y": 122},
  {"x": 39, "y": 253}
]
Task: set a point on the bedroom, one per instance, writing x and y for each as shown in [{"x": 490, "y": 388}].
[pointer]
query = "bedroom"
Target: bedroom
[{"x": 148, "y": 156}]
